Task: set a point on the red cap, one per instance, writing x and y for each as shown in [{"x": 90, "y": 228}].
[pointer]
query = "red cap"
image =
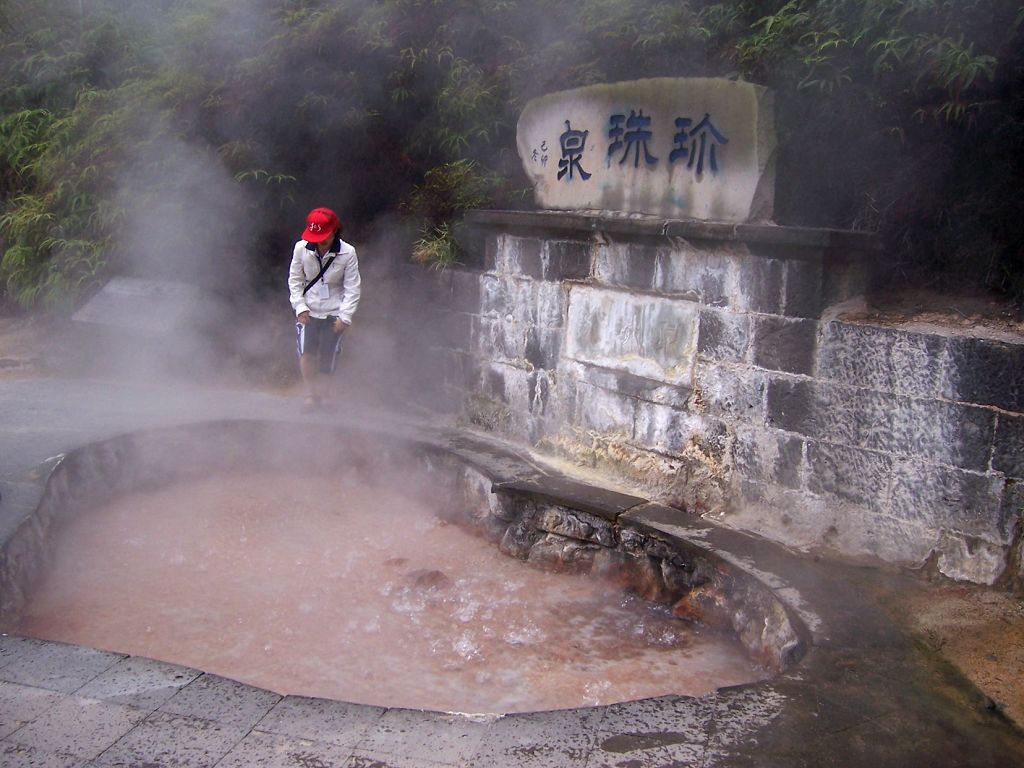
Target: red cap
[{"x": 321, "y": 224}]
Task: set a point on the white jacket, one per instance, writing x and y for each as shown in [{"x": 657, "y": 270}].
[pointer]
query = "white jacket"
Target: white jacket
[{"x": 342, "y": 278}]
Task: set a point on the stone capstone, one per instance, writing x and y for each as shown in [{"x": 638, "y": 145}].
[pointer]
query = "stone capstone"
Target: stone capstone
[{"x": 701, "y": 148}]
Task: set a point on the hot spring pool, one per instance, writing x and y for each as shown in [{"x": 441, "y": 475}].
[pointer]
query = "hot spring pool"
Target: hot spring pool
[{"x": 356, "y": 581}]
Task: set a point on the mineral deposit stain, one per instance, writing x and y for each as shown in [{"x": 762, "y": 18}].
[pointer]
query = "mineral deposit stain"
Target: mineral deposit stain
[{"x": 325, "y": 587}]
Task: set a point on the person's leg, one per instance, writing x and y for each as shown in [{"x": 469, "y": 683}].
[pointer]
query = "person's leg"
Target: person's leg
[
  {"x": 330, "y": 347},
  {"x": 309, "y": 341}
]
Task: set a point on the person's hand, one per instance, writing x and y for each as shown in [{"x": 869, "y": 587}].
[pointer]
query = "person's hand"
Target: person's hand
[
  {"x": 303, "y": 317},
  {"x": 340, "y": 325}
]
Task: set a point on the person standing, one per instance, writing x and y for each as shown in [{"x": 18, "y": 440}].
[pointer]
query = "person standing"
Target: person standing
[{"x": 324, "y": 288}]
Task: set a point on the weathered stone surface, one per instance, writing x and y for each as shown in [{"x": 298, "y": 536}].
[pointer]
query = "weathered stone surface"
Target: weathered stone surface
[
  {"x": 562, "y": 554},
  {"x": 943, "y": 497},
  {"x": 784, "y": 344},
  {"x": 627, "y": 265},
  {"x": 969, "y": 558},
  {"x": 567, "y": 260},
  {"x": 732, "y": 391},
  {"x": 984, "y": 371},
  {"x": 709, "y": 153},
  {"x": 645, "y": 335},
  {"x": 790, "y": 405},
  {"x": 601, "y": 410},
  {"x": 723, "y": 336},
  {"x": 768, "y": 456},
  {"x": 850, "y": 474},
  {"x": 518, "y": 540},
  {"x": 575, "y": 525},
  {"x": 511, "y": 253},
  {"x": 465, "y": 296},
  {"x": 881, "y": 358},
  {"x": 758, "y": 285},
  {"x": 802, "y": 295},
  {"x": 698, "y": 273},
  {"x": 670, "y": 431},
  {"x": 1008, "y": 456},
  {"x": 627, "y": 384},
  {"x": 946, "y": 433}
]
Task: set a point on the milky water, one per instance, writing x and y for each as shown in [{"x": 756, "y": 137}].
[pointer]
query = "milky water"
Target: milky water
[{"x": 326, "y": 587}]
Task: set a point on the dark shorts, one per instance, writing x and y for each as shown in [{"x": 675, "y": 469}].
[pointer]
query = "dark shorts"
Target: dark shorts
[{"x": 318, "y": 337}]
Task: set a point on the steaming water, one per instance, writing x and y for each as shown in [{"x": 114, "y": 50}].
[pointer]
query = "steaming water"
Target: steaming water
[{"x": 328, "y": 588}]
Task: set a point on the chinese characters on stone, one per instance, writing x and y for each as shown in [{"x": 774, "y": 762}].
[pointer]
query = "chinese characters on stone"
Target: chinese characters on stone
[{"x": 629, "y": 137}]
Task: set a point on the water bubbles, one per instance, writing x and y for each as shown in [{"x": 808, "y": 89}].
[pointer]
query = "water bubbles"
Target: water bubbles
[{"x": 467, "y": 647}]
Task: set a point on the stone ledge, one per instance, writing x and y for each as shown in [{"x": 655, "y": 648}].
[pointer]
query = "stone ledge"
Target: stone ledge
[{"x": 837, "y": 243}]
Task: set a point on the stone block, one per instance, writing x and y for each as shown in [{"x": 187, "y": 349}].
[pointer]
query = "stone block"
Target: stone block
[
  {"x": 494, "y": 382},
  {"x": 598, "y": 409},
  {"x": 647, "y": 336},
  {"x": 849, "y": 474},
  {"x": 549, "y": 303},
  {"x": 456, "y": 329},
  {"x": 460, "y": 370},
  {"x": 944, "y": 497},
  {"x": 790, "y": 405},
  {"x": 627, "y": 265},
  {"x": 758, "y": 285},
  {"x": 883, "y": 359},
  {"x": 723, "y": 336},
  {"x": 846, "y": 274},
  {"x": 465, "y": 291},
  {"x": 784, "y": 344},
  {"x": 566, "y": 260},
  {"x": 802, "y": 294},
  {"x": 696, "y": 273},
  {"x": 496, "y": 339},
  {"x": 494, "y": 298},
  {"x": 1011, "y": 509},
  {"x": 1008, "y": 452},
  {"x": 543, "y": 346},
  {"x": 941, "y": 432},
  {"x": 492, "y": 246},
  {"x": 733, "y": 391},
  {"x": 768, "y": 456},
  {"x": 631, "y": 386},
  {"x": 984, "y": 371},
  {"x": 540, "y": 388},
  {"x": 709, "y": 152},
  {"x": 517, "y": 255},
  {"x": 969, "y": 558},
  {"x": 666, "y": 429}
]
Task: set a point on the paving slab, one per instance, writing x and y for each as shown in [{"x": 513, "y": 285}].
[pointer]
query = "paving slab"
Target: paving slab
[
  {"x": 336, "y": 722},
  {"x": 163, "y": 739},
  {"x": 141, "y": 683},
  {"x": 225, "y": 701},
  {"x": 270, "y": 750},
  {"x": 82, "y": 728},
  {"x": 53, "y": 666}
]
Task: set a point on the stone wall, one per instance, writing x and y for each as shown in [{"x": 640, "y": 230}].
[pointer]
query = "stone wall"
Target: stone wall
[{"x": 710, "y": 367}]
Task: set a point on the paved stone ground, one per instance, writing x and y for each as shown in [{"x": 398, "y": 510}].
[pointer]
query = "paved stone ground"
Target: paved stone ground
[{"x": 866, "y": 695}]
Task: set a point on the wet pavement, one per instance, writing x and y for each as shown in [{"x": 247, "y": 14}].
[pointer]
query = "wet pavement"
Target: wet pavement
[{"x": 865, "y": 695}]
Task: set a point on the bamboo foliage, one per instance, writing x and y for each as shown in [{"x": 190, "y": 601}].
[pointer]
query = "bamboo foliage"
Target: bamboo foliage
[{"x": 902, "y": 116}]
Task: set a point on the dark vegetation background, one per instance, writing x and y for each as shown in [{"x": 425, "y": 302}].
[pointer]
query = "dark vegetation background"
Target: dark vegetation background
[{"x": 188, "y": 138}]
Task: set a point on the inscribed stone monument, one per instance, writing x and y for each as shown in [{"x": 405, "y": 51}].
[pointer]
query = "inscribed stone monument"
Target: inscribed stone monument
[{"x": 701, "y": 148}]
